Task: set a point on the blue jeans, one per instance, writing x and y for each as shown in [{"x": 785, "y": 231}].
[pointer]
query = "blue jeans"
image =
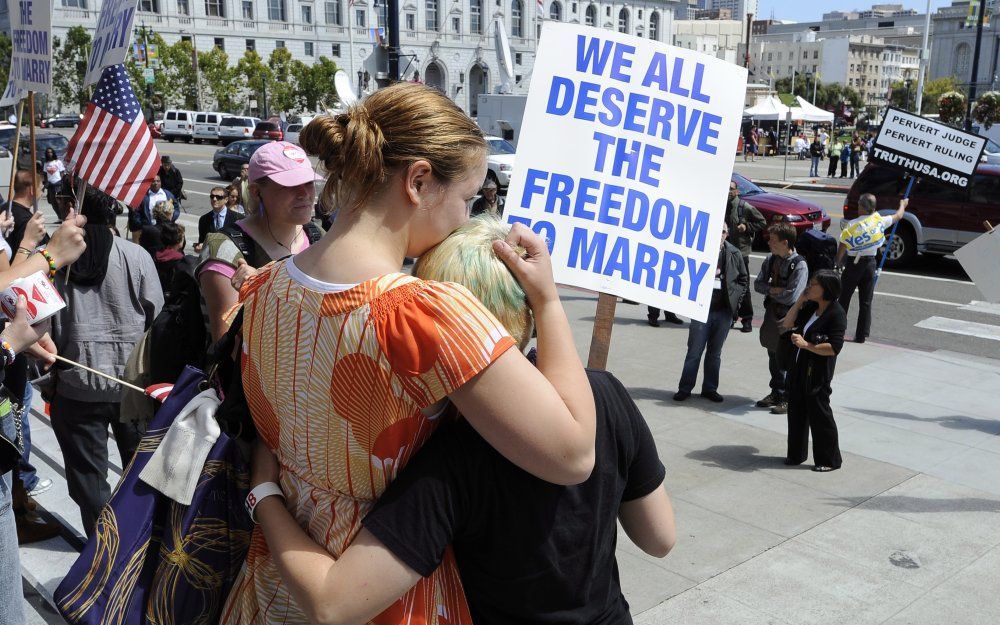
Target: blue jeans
[
  {"x": 11, "y": 597},
  {"x": 711, "y": 334},
  {"x": 814, "y": 167},
  {"x": 26, "y": 470}
]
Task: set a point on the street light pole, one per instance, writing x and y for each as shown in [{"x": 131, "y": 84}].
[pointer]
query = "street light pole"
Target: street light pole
[
  {"x": 922, "y": 62},
  {"x": 975, "y": 66},
  {"x": 144, "y": 33}
]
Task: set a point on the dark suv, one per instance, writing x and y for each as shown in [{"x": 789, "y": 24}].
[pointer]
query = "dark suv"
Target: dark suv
[{"x": 939, "y": 219}]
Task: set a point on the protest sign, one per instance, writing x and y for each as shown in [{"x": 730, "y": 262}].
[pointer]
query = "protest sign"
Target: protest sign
[
  {"x": 980, "y": 258},
  {"x": 111, "y": 37},
  {"x": 624, "y": 163},
  {"x": 927, "y": 148},
  {"x": 31, "y": 49}
]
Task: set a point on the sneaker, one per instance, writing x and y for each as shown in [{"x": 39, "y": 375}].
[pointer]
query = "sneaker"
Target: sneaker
[
  {"x": 768, "y": 401},
  {"x": 653, "y": 321},
  {"x": 780, "y": 408},
  {"x": 747, "y": 326},
  {"x": 713, "y": 396},
  {"x": 41, "y": 486},
  {"x": 681, "y": 395}
]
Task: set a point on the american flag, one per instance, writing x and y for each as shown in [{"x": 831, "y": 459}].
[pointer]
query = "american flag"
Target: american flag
[{"x": 113, "y": 150}]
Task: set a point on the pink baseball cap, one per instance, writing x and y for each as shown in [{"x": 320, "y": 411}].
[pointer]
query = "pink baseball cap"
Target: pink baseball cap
[{"x": 285, "y": 163}]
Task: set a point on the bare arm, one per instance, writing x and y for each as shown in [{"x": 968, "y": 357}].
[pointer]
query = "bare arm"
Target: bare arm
[
  {"x": 841, "y": 252},
  {"x": 649, "y": 522},
  {"x": 901, "y": 210},
  {"x": 220, "y": 296},
  {"x": 554, "y": 440}
]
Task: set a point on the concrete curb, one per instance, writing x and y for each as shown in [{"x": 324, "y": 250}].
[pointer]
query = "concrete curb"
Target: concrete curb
[{"x": 804, "y": 186}]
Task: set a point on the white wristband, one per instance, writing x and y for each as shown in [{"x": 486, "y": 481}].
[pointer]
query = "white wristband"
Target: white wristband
[{"x": 257, "y": 495}]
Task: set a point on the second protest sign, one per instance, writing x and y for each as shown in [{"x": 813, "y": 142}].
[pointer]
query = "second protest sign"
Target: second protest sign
[{"x": 624, "y": 162}]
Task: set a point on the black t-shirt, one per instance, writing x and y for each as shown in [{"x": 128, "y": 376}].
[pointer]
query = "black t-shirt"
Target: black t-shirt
[
  {"x": 22, "y": 215},
  {"x": 528, "y": 551}
]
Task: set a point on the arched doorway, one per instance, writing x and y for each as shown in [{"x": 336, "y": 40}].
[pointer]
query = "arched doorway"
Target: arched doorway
[
  {"x": 434, "y": 76},
  {"x": 478, "y": 83}
]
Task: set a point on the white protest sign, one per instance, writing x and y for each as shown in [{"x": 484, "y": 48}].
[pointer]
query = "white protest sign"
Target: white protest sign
[
  {"x": 111, "y": 38},
  {"x": 980, "y": 258},
  {"x": 624, "y": 162},
  {"x": 31, "y": 49},
  {"x": 926, "y": 148}
]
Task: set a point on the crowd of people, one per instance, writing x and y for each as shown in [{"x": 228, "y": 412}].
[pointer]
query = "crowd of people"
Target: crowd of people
[
  {"x": 387, "y": 445},
  {"x": 847, "y": 153}
]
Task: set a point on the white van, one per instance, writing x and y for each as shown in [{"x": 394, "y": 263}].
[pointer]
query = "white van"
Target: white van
[
  {"x": 206, "y": 126},
  {"x": 178, "y": 124},
  {"x": 236, "y": 127}
]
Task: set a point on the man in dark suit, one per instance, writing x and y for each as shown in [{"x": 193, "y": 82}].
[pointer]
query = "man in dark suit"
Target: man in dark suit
[{"x": 216, "y": 219}]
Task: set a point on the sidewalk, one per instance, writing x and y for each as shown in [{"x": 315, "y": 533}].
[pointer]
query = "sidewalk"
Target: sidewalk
[
  {"x": 905, "y": 532},
  {"x": 771, "y": 172}
]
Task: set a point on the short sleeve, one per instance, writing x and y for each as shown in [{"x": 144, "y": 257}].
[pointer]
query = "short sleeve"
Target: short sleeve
[
  {"x": 436, "y": 337},
  {"x": 424, "y": 508},
  {"x": 218, "y": 249},
  {"x": 886, "y": 223},
  {"x": 645, "y": 471}
]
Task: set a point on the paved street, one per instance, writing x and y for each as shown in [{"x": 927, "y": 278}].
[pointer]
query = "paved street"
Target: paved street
[{"x": 905, "y": 533}]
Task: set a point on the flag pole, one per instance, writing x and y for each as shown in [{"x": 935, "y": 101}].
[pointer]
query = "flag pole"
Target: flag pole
[
  {"x": 17, "y": 147},
  {"x": 34, "y": 156}
]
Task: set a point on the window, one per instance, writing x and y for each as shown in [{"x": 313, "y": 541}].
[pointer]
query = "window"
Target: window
[
  {"x": 456, "y": 24},
  {"x": 360, "y": 19},
  {"x": 382, "y": 11},
  {"x": 779, "y": 56},
  {"x": 573, "y": 8},
  {"x": 149, "y": 6},
  {"x": 431, "y": 15},
  {"x": 517, "y": 58},
  {"x": 411, "y": 22},
  {"x": 985, "y": 189},
  {"x": 183, "y": 8},
  {"x": 309, "y": 50},
  {"x": 251, "y": 45},
  {"x": 591, "y": 18},
  {"x": 215, "y": 8},
  {"x": 279, "y": 44},
  {"x": 607, "y": 11},
  {"x": 815, "y": 54},
  {"x": 623, "y": 21},
  {"x": 333, "y": 13},
  {"x": 335, "y": 50},
  {"x": 639, "y": 14},
  {"x": 220, "y": 43},
  {"x": 248, "y": 9},
  {"x": 307, "y": 14},
  {"x": 960, "y": 61},
  {"x": 276, "y": 11},
  {"x": 805, "y": 54},
  {"x": 516, "y": 19},
  {"x": 852, "y": 67},
  {"x": 476, "y": 16},
  {"x": 654, "y": 26},
  {"x": 555, "y": 11},
  {"x": 72, "y": 4},
  {"x": 769, "y": 55}
]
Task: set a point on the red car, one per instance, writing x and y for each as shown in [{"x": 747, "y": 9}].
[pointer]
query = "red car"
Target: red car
[
  {"x": 268, "y": 130},
  {"x": 777, "y": 207}
]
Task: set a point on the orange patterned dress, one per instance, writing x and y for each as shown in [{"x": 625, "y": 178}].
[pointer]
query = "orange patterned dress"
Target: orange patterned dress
[{"x": 337, "y": 381}]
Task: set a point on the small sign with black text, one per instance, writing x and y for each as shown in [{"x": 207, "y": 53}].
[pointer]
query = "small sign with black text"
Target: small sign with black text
[{"x": 927, "y": 148}]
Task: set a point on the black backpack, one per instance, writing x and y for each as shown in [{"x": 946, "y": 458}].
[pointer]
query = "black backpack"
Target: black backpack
[
  {"x": 178, "y": 335},
  {"x": 818, "y": 248},
  {"x": 248, "y": 247}
]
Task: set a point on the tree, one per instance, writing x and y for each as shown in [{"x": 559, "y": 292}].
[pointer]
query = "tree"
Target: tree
[
  {"x": 222, "y": 81},
  {"x": 933, "y": 90},
  {"x": 315, "y": 83},
  {"x": 828, "y": 95},
  {"x": 5, "y": 51},
  {"x": 255, "y": 75},
  {"x": 177, "y": 76},
  {"x": 70, "y": 61},
  {"x": 281, "y": 87}
]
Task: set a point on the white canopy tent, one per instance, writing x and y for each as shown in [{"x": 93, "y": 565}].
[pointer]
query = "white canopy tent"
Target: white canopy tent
[
  {"x": 767, "y": 108},
  {"x": 809, "y": 113}
]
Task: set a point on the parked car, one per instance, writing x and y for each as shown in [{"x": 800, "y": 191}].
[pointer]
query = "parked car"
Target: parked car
[
  {"x": 991, "y": 154},
  {"x": 268, "y": 130},
  {"x": 939, "y": 219},
  {"x": 6, "y": 163},
  {"x": 206, "y": 126},
  {"x": 228, "y": 160},
  {"x": 63, "y": 120},
  {"x": 43, "y": 141},
  {"x": 500, "y": 161},
  {"x": 178, "y": 124},
  {"x": 7, "y": 132},
  {"x": 778, "y": 207},
  {"x": 292, "y": 133},
  {"x": 235, "y": 128}
]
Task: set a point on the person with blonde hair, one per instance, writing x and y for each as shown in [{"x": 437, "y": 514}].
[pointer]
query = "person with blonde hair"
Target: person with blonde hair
[
  {"x": 558, "y": 553},
  {"x": 347, "y": 362}
]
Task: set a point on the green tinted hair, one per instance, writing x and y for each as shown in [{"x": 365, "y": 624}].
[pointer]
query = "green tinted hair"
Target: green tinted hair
[{"x": 466, "y": 256}]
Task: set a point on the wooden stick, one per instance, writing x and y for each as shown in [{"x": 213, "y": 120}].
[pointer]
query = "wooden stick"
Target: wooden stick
[
  {"x": 989, "y": 227},
  {"x": 17, "y": 147},
  {"x": 103, "y": 375},
  {"x": 600, "y": 340},
  {"x": 34, "y": 156}
]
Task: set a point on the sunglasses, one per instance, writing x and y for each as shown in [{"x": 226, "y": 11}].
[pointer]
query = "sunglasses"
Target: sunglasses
[{"x": 217, "y": 197}]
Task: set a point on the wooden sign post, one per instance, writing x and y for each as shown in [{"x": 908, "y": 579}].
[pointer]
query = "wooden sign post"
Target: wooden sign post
[{"x": 600, "y": 340}]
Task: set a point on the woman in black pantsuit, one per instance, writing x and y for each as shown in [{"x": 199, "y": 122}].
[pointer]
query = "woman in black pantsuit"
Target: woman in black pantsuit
[{"x": 818, "y": 337}]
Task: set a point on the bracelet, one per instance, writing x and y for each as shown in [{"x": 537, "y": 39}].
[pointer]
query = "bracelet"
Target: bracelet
[
  {"x": 259, "y": 492},
  {"x": 52, "y": 263},
  {"x": 25, "y": 250},
  {"x": 7, "y": 352}
]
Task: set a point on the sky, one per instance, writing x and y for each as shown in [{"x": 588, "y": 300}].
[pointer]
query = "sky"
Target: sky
[{"x": 812, "y": 10}]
